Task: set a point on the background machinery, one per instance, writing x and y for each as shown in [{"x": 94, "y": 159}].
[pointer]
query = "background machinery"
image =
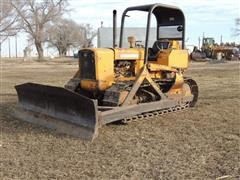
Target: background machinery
[
  {"x": 212, "y": 50},
  {"x": 117, "y": 84}
]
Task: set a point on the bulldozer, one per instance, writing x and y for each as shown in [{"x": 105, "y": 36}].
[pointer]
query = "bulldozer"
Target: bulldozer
[{"x": 116, "y": 83}]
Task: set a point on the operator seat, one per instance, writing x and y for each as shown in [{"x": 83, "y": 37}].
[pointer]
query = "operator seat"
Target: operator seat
[
  {"x": 160, "y": 45},
  {"x": 157, "y": 46}
]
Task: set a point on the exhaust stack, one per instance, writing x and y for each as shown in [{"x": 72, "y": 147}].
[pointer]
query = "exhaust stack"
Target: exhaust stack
[{"x": 114, "y": 27}]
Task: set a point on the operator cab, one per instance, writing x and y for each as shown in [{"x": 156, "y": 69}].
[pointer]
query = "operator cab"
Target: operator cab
[{"x": 169, "y": 28}]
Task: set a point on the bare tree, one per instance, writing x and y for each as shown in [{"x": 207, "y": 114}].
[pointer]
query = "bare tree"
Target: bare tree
[
  {"x": 8, "y": 20},
  {"x": 89, "y": 35},
  {"x": 36, "y": 15},
  {"x": 65, "y": 33},
  {"x": 237, "y": 27}
]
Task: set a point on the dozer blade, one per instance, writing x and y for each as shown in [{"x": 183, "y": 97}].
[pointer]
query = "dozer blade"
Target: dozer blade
[{"x": 57, "y": 108}]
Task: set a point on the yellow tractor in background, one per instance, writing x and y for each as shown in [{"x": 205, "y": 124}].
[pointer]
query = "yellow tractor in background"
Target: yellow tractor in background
[
  {"x": 208, "y": 45},
  {"x": 117, "y": 84}
]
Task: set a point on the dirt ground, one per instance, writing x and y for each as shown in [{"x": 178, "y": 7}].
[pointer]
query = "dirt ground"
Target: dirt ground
[{"x": 200, "y": 143}]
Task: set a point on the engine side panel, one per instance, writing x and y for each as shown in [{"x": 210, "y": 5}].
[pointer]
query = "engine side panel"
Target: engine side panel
[{"x": 173, "y": 58}]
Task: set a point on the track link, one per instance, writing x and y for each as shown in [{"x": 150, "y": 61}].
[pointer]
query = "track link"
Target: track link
[{"x": 155, "y": 113}]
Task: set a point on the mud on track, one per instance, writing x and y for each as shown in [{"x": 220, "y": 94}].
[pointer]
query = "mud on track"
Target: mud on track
[{"x": 200, "y": 143}]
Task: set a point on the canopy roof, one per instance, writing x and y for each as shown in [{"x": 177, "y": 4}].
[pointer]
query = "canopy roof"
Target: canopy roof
[{"x": 165, "y": 14}]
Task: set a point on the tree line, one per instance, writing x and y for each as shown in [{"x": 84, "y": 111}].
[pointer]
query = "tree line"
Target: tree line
[{"x": 43, "y": 21}]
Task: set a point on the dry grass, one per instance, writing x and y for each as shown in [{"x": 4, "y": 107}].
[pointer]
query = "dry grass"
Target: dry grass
[{"x": 201, "y": 143}]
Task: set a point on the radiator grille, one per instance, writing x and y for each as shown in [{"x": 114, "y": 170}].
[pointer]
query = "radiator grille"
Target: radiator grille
[{"x": 87, "y": 64}]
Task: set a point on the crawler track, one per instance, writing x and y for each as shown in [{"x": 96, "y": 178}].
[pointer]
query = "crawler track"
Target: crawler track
[
  {"x": 194, "y": 91},
  {"x": 156, "y": 113}
]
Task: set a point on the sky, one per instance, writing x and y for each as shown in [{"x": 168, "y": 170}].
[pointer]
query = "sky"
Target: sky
[{"x": 211, "y": 17}]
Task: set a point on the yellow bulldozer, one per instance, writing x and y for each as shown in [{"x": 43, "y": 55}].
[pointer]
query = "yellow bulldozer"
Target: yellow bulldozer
[{"x": 117, "y": 84}]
